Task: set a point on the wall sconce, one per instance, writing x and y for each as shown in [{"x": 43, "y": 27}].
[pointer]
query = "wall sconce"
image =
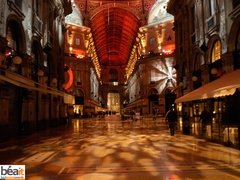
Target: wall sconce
[
  {"x": 181, "y": 84},
  {"x": 213, "y": 71},
  {"x": 194, "y": 78},
  {"x": 40, "y": 73},
  {"x": 54, "y": 80},
  {"x": 17, "y": 60}
]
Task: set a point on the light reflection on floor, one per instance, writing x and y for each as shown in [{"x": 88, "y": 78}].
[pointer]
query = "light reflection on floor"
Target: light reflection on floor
[{"x": 89, "y": 149}]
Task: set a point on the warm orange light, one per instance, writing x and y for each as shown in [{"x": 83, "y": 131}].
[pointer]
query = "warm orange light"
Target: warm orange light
[
  {"x": 70, "y": 79},
  {"x": 168, "y": 49},
  {"x": 80, "y": 56}
]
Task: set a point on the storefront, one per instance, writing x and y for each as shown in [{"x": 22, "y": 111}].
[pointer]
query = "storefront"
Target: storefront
[{"x": 213, "y": 110}]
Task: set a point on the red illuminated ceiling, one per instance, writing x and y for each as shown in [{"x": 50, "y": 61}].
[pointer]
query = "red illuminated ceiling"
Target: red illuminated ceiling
[
  {"x": 114, "y": 28},
  {"x": 114, "y": 32}
]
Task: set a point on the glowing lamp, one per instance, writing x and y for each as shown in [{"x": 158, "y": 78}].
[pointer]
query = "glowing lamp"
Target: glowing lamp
[
  {"x": 40, "y": 73},
  {"x": 213, "y": 71},
  {"x": 194, "y": 78},
  {"x": 181, "y": 84},
  {"x": 54, "y": 80},
  {"x": 17, "y": 60}
]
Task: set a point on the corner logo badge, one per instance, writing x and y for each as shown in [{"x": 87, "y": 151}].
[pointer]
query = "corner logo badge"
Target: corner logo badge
[{"x": 12, "y": 172}]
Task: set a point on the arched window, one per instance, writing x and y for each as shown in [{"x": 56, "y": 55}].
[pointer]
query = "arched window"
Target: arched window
[
  {"x": 216, "y": 51},
  {"x": 216, "y": 62},
  {"x": 197, "y": 74},
  {"x": 12, "y": 49},
  {"x": 197, "y": 62}
]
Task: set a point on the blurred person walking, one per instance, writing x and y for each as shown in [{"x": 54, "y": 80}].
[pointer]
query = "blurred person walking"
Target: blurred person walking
[{"x": 171, "y": 119}]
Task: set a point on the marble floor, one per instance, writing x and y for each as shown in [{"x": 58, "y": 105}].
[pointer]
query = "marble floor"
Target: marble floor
[{"x": 107, "y": 149}]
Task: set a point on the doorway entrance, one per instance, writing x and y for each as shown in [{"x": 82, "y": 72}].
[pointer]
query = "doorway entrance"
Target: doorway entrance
[{"x": 113, "y": 102}]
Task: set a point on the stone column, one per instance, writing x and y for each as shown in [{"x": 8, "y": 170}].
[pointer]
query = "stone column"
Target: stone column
[
  {"x": 26, "y": 66},
  {"x": 227, "y": 62},
  {"x": 205, "y": 74}
]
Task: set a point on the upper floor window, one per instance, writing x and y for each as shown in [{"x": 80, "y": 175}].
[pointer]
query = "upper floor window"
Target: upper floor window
[
  {"x": 211, "y": 7},
  {"x": 77, "y": 41},
  {"x": 13, "y": 48},
  {"x": 79, "y": 82},
  {"x": 153, "y": 76},
  {"x": 216, "y": 51},
  {"x": 235, "y": 3},
  {"x": 197, "y": 74},
  {"x": 216, "y": 62},
  {"x": 36, "y": 6},
  {"x": 11, "y": 37},
  {"x": 197, "y": 62}
]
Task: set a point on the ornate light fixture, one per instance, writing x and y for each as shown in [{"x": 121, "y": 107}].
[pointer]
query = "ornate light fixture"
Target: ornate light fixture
[
  {"x": 17, "y": 60},
  {"x": 194, "y": 78},
  {"x": 181, "y": 84},
  {"x": 54, "y": 80},
  {"x": 40, "y": 73},
  {"x": 213, "y": 71}
]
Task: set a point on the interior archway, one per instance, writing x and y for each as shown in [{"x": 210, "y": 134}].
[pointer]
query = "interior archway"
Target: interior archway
[{"x": 113, "y": 102}]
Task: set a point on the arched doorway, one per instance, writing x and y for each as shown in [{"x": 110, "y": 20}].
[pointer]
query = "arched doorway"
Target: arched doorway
[
  {"x": 113, "y": 102},
  {"x": 79, "y": 101}
]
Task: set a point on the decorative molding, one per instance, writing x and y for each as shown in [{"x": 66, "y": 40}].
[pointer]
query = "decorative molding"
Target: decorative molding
[{"x": 13, "y": 7}]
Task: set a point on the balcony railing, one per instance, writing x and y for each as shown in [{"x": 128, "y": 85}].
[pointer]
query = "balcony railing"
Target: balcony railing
[{"x": 212, "y": 23}]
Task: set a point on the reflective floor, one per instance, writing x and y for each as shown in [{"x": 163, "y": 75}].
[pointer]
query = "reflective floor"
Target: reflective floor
[{"x": 107, "y": 149}]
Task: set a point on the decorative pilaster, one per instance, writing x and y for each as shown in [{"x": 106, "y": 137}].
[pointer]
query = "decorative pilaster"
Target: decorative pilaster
[
  {"x": 227, "y": 62},
  {"x": 26, "y": 66}
]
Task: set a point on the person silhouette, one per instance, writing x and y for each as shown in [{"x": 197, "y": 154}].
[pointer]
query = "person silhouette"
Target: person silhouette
[{"x": 171, "y": 118}]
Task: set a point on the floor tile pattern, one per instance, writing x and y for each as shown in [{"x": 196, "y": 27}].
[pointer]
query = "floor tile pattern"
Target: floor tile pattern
[{"x": 110, "y": 149}]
